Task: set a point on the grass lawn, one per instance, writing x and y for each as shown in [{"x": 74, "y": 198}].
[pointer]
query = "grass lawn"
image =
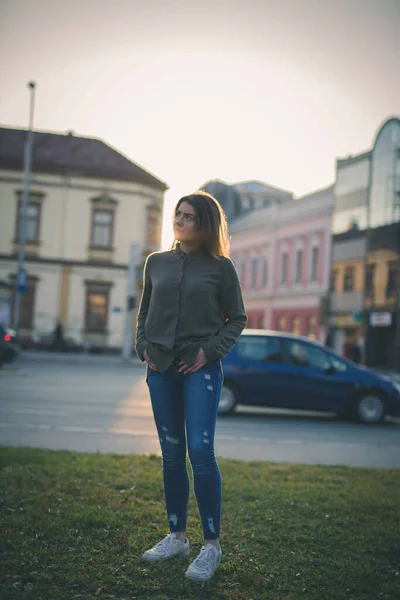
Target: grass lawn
[{"x": 75, "y": 526}]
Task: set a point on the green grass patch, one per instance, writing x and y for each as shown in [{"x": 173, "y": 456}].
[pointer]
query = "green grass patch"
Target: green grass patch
[{"x": 75, "y": 526}]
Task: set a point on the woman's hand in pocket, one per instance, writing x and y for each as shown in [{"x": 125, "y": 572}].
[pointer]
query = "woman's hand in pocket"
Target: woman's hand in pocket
[
  {"x": 152, "y": 366},
  {"x": 198, "y": 364}
]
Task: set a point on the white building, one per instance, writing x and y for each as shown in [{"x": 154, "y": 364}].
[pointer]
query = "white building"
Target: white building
[{"x": 87, "y": 205}]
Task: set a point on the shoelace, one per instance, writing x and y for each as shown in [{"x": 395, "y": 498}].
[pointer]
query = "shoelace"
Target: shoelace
[
  {"x": 165, "y": 543},
  {"x": 202, "y": 560}
]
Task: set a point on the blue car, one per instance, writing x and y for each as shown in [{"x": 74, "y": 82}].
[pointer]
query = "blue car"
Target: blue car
[{"x": 269, "y": 368}]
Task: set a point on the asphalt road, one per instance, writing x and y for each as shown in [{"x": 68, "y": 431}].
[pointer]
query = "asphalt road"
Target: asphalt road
[{"x": 99, "y": 404}]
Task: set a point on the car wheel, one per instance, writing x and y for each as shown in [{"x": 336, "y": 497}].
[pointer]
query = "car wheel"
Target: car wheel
[
  {"x": 371, "y": 408},
  {"x": 228, "y": 400}
]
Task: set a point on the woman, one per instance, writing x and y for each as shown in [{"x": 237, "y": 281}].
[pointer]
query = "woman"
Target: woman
[{"x": 191, "y": 314}]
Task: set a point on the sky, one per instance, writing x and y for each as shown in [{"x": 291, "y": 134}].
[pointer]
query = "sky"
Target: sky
[{"x": 193, "y": 90}]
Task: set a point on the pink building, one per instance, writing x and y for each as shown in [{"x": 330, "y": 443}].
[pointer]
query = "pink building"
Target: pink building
[{"x": 282, "y": 254}]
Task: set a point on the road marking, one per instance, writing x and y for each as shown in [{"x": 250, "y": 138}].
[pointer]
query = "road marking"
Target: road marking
[
  {"x": 71, "y": 429},
  {"x": 37, "y": 411},
  {"x": 133, "y": 432}
]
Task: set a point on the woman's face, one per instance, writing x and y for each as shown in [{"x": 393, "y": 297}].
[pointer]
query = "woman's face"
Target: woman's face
[{"x": 185, "y": 224}]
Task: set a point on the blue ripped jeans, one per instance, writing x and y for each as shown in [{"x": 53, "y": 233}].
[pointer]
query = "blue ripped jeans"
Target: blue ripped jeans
[{"x": 188, "y": 402}]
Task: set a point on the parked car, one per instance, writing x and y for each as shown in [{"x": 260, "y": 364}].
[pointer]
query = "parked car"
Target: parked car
[
  {"x": 269, "y": 368},
  {"x": 8, "y": 350}
]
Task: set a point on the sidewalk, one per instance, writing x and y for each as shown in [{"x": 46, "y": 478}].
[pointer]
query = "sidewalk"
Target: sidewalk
[{"x": 74, "y": 358}]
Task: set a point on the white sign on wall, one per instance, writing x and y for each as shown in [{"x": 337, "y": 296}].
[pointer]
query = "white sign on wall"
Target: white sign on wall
[{"x": 380, "y": 319}]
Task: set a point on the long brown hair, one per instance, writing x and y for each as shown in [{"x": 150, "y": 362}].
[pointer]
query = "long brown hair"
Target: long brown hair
[{"x": 211, "y": 222}]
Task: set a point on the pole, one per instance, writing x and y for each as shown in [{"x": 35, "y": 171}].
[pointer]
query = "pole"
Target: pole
[
  {"x": 20, "y": 281},
  {"x": 130, "y": 302}
]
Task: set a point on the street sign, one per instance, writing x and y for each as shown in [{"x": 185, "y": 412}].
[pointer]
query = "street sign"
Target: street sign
[
  {"x": 21, "y": 280},
  {"x": 358, "y": 316}
]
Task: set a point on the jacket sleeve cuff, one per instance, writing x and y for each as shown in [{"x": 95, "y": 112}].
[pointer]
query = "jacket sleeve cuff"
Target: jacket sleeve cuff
[
  {"x": 209, "y": 351},
  {"x": 140, "y": 348}
]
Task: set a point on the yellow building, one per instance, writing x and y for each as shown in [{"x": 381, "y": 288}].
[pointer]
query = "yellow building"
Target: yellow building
[{"x": 87, "y": 205}]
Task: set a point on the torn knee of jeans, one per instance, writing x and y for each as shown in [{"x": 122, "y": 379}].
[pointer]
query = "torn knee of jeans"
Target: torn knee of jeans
[
  {"x": 210, "y": 387},
  {"x": 205, "y": 438}
]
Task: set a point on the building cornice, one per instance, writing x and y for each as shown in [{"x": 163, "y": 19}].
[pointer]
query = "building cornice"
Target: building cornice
[
  {"x": 92, "y": 188},
  {"x": 71, "y": 263}
]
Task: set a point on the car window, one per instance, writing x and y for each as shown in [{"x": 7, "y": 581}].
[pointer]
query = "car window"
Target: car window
[
  {"x": 307, "y": 355},
  {"x": 264, "y": 349},
  {"x": 338, "y": 364}
]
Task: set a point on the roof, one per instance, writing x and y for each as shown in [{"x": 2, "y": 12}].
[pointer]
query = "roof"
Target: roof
[
  {"x": 259, "y": 187},
  {"x": 348, "y": 160},
  {"x": 67, "y": 153},
  {"x": 320, "y": 194},
  {"x": 282, "y": 209}
]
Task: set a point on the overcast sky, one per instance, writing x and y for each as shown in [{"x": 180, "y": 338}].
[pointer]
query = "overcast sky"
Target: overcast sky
[{"x": 272, "y": 90}]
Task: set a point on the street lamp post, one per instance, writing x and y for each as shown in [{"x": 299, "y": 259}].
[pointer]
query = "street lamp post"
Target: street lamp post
[{"x": 21, "y": 273}]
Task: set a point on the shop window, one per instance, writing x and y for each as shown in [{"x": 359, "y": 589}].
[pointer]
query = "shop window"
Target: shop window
[
  {"x": 282, "y": 324},
  {"x": 97, "y": 304},
  {"x": 312, "y": 327},
  {"x": 296, "y": 326}
]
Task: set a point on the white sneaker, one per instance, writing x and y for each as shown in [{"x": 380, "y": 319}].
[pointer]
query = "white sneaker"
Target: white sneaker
[
  {"x": 205, "y": 565},
  {"x": 169, "y": 547}
]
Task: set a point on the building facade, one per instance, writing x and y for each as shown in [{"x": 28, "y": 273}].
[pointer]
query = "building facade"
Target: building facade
[
  {"x": 282, "y": 254},
  {"x": 366, "y": 257},
  {"x": 87, "y": 205}
]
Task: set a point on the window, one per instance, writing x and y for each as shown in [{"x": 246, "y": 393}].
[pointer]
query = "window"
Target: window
[
  {"x": 299, "y": 265},
  {"x": 391, "y": 279},
  {"x": 306, "y": 355},
  {"x": 296, "y": 326},
  {"x": 254, "y": 268},
  {"x": 312, "y": 327},
  {"x": 265, "y": 349},
  {"x": 242, "y": 273},
  {"x": 282, "y": 324},
  {"x": 338, "y": 364},
  {"x": 370, "y": 282},
  {"x": 314, "y": 263},
  {"x": 102, "y": 228},
  {"x": 349, "y": 275},
  {"x": 284, "y": 267},
  {"x": 153, "y": 226},
  {"x": 334, "y": 279},
  {"x": 97, "y": 302},
  {"x": 33, "y": 212},
  {"x": 265, "y": 272}
]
